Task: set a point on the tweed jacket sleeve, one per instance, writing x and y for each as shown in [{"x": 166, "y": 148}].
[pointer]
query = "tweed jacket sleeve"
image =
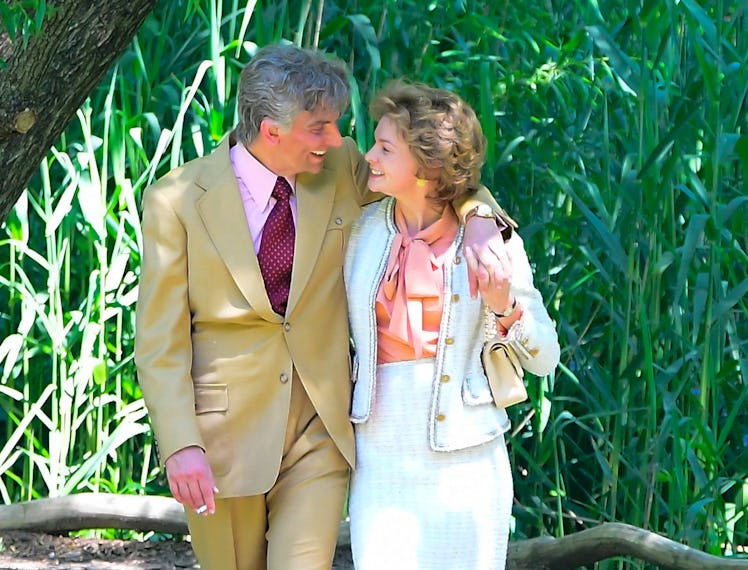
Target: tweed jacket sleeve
[{"x": 535, "y": 330}]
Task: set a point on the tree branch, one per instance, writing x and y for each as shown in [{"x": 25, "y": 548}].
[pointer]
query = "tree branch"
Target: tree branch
[
  {"x": 162, "y": 514},
  {"x": 609, "y": 540},
  {"x": 95, "y": 510}
]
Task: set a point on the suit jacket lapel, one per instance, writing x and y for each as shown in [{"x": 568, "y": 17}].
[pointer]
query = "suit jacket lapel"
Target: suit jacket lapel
[
  {"x": 222, "y": 212},
  {"x": 315, "y": 195}
]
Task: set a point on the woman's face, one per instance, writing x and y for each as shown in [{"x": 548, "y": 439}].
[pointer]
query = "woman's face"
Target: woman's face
[{"x": 391, "y": 164}]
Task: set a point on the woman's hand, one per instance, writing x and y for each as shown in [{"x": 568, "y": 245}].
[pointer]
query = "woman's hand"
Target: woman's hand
[
  {"x": 485, "y": 246},
  {"x": 493, "y": 272}
]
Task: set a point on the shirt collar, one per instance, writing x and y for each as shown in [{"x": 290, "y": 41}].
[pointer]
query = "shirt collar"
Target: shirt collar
[{"x": 256, "y": 177}]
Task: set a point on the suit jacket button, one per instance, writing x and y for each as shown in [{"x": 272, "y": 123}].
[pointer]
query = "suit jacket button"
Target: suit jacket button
[
  {"x": 287, "y": 327},
  {"x": 339, "y": 221},
  {"x": 283, "y": 377},
  {"x": 441, "y": 418}
]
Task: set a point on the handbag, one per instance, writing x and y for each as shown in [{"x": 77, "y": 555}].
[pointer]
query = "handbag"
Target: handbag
[{"x": 502, "y": 365}]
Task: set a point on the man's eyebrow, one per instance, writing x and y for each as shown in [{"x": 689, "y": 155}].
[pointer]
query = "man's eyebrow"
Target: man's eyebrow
[{"x": 319, "y": 122}]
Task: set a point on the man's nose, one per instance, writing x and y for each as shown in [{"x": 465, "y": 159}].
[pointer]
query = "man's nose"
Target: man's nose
[{"x": 334, "y": 138}]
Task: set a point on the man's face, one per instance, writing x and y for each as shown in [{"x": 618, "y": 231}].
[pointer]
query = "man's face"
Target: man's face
[{"x": 302, "y": 148}]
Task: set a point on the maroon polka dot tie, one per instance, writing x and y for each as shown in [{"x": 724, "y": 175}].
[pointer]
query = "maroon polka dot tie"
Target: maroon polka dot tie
[{"x": 276, "y": 248}]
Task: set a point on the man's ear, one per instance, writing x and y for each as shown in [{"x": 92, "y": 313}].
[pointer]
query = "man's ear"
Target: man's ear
[{"x": 270, "y": 131}]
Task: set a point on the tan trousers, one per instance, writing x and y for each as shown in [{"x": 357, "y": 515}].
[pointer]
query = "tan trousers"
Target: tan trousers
[{"x": 295, "y": 525}]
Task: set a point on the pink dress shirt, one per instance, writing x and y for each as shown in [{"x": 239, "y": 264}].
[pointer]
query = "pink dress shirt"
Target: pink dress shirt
[{"x": 256, "y": 184}]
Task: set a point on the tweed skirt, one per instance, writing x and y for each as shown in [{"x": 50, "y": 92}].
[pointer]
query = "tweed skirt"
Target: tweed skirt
[{"x": 416, "y": 509}]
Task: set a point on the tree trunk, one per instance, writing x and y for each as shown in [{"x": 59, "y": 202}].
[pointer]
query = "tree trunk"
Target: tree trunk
[
  {"x": 43, "y": 84},
  {"x": 87, "y": 510}
]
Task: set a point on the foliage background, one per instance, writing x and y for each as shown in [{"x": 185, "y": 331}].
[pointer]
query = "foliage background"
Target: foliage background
[{"x": 617, "y": 138}]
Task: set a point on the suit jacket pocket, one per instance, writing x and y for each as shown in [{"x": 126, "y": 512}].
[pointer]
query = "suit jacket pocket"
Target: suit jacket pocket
[
  {"x": 211, "y": 398},
  {"x": 211, "y": 407},
  {"x": 344, "y": 213}
]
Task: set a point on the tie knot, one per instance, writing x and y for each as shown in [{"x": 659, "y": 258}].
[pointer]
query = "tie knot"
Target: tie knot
[{"x": 282, "y": 190}]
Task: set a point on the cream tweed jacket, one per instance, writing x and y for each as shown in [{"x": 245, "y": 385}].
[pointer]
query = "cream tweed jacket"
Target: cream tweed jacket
[{"x": 462, "y": 410}]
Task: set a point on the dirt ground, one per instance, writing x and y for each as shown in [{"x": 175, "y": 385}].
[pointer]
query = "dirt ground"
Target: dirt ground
[
  {"x": 30, "y": 551},
  {"x": 34, "y": 551}
]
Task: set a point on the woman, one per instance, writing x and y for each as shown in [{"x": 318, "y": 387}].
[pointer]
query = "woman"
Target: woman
[{"x": 432, "y": 487}]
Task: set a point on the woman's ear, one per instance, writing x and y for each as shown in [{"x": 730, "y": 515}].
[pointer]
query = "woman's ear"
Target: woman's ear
[{"x": 430, "y": 173}]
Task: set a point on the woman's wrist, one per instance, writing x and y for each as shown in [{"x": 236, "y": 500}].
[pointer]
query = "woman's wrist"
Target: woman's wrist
[
  {"x": 508, "y": 311},
  {"x": 508, "y": 317}
]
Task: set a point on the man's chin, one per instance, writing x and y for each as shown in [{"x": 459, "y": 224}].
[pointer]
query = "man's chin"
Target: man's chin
[{"x": 315, "y": 166}]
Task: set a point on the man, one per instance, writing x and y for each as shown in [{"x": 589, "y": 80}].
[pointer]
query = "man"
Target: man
[{"x": 242, "y": 333}]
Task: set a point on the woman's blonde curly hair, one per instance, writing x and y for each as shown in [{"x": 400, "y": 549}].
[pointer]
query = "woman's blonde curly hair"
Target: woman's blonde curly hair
[{"x": 442, "y": 131}]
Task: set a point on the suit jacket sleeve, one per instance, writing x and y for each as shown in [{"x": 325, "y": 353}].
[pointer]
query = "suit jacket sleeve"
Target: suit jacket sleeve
[
  {"x": 360, "y": 174},
  {"x": 163, "y": 348}
]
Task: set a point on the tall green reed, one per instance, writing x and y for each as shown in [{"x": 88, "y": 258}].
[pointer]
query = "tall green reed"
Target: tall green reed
[{"x": 634, "y": 197}]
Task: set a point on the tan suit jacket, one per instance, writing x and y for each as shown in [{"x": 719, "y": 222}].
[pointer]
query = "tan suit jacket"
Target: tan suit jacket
[{"x": 214, "y": 361}]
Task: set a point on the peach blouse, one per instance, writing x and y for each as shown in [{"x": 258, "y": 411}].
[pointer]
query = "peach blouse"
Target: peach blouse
[{"x": 410, "y": 296}]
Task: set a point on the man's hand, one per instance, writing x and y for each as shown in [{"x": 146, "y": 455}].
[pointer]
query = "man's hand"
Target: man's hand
[
  {"x": 486, "y": 255},
  {"x": 191, "y": 480}
]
